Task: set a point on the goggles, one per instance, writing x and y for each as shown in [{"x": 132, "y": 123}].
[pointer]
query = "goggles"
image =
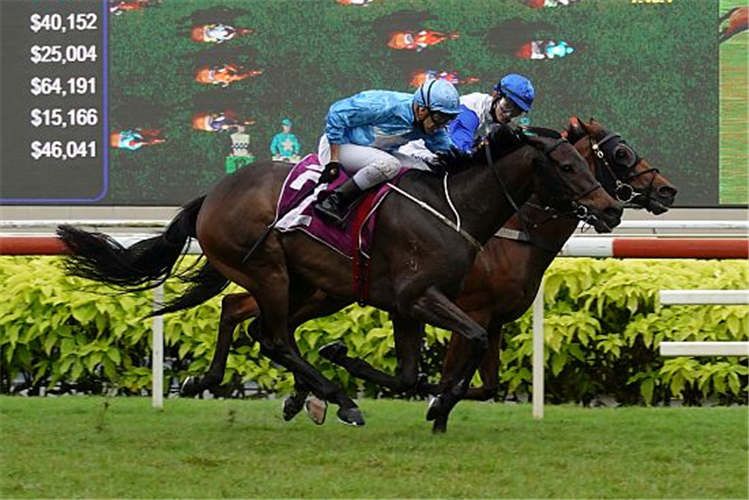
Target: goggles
[
  {"x": 508, "y": 107},
  {"x": 440, "y": 119}
]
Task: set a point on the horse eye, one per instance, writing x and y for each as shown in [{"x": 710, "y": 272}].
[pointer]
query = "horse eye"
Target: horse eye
[
  {"x": 624, "y": 156},
  {"x": 567, "y": 168}
]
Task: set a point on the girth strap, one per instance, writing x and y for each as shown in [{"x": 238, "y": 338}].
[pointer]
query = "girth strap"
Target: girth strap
[
  {"x": 513, "y": 234},
  {"x": 470, "y": 239}
]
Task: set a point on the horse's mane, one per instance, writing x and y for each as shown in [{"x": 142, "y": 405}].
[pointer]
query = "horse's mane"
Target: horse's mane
[{"x": 502, "y": 139}]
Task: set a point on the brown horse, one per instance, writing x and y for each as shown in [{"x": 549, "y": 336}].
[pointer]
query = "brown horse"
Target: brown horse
[
  {"x": 416, "y": 273},
  {"x": 507, "y": 268},
  {"x": 738, "y": 21}
]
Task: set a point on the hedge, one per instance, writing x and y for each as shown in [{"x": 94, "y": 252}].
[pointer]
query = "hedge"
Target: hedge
[{"x": 603, "y": 325}]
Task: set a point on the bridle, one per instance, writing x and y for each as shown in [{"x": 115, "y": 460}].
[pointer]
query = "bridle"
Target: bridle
[
  {"x": 617, "y": 178},
  {"x": 576, "y": 210}
]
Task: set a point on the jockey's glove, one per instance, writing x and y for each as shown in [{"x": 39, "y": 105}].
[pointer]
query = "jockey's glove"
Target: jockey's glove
[{"x": 330, "y": 173}]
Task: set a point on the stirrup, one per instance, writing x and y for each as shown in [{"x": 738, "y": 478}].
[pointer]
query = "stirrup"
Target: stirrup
[{"x": 331, "y": 214}]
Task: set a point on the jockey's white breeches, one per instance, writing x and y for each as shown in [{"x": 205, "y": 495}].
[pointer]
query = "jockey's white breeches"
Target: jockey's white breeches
[{"x": 369, "y": 166}]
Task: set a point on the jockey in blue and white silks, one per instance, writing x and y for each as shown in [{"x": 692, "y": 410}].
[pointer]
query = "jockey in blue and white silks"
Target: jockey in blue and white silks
[
  {"x": 363, "y": 133},
  {"x": 512, "y": 96}
]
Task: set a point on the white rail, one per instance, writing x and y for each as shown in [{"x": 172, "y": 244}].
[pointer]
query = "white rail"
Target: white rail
[
  {"x": 705, "y": 297},
  {"x": 704, "y": 348}
]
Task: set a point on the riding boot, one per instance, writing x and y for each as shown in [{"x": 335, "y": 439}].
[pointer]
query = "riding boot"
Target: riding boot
[{"x": 336, "y": 206}]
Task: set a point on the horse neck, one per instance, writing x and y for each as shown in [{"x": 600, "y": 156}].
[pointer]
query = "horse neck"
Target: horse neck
[
  {"x": 479, "y": 197},
  {"x": 548, "y": 232}
]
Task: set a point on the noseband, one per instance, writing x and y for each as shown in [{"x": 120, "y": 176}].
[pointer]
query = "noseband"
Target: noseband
[{"x": 617, "y": 179}]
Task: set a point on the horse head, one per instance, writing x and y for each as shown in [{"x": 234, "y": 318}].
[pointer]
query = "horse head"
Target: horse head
[
  {"x": 566, "y": 182},
  {"x": 623, "y": 172}
]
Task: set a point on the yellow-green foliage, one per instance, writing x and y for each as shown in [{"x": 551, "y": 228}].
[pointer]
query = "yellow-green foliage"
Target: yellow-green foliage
[{"x": 603, "y": 326}]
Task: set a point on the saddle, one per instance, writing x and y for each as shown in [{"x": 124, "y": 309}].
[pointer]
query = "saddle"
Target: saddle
[{"x": 354, "y": 238}]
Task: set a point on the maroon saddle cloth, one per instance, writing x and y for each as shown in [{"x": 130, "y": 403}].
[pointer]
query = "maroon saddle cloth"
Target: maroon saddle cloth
[{"x": 295, "y": 211}]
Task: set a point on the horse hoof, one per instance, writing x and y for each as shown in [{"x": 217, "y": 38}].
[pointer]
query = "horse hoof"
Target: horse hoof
[
  {"x": 333, "y": 351},
  {"x": 350, "y": 416},
  {"x": 316, "y": 409},
  {"x": 189, "y": 387},
  {"x": 439, "y": 426},
  {"x": 291, "y": 408}
]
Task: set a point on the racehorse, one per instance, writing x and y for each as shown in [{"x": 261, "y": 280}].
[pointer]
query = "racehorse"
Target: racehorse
[
  {"x": 218, "y": 121},
  {"x": 136, "y": 138},
  {"x": 415, "y": 274},
  {"x": 224, "y": 74},
  {"x": 738, "y": 21},
  {"x": 119, "y": 7},
  {"x": 217, "y": 33},
  {"x": 418, "y": 41},
  {"x": 509, "y": 267}
]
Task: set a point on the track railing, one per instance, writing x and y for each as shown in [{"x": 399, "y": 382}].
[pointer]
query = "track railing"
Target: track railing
[{"x": 704, "y": 297}]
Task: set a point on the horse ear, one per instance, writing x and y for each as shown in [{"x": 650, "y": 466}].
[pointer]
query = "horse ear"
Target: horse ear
[{"x": 576, "y": 130}]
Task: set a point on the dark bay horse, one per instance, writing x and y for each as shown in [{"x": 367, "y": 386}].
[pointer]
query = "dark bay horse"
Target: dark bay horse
[
  {"x": 416, "y": 270},
  {"x": 513, "y": 268},
  {"x": 508, "y": 268}
]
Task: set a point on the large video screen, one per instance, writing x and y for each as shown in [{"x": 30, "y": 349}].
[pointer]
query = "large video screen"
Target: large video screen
[{"x": 151, "y": 102}]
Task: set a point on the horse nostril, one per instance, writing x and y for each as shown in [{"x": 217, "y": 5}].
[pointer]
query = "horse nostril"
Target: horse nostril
[
  {"x": 613, "y": 211},
  {"x": 668, "y": 192}
]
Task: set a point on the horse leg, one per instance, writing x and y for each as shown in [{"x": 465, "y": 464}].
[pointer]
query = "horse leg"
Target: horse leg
[
  {"x": 435, "y": 308},
  {"x": 408, "y": 335},
  {"x": 318, "y": 306},
  {"x": 489, "y": 368},
  {"x": 235, "y": 308},
  {"x": 276, "y": 298}
]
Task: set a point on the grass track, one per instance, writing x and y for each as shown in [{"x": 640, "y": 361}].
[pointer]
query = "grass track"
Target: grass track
[{"x": 51, "y": 448}]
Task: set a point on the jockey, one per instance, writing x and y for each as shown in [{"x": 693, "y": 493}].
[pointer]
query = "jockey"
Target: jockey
[
  {"x": 218, "y": 33},
  {"x": 285, "y": 146},
  {"x": 512, "y": 96},
  {"x": 363, "y": 132}
]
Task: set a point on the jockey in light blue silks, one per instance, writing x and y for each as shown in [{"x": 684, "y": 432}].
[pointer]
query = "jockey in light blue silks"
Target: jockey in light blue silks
[{"x": 363, "y": 133}]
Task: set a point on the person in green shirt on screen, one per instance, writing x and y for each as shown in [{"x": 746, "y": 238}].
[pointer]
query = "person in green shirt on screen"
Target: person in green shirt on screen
[{"x": 285, "y": 146}]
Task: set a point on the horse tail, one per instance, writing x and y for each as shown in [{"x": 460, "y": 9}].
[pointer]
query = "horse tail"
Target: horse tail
[
  {"x": 205, "y": 283},
  {"x": 142, "y": 266}
]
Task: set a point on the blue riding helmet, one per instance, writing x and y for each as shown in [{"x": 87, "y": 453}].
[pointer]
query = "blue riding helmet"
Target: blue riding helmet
[
  {"x": 518, "y": 88},
  {"x": 286, "y": 122},
  {"x": 438, "y": 95}
]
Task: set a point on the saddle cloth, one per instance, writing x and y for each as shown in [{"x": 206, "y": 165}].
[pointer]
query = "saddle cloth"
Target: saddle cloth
[{"x": 295, "y": 210}]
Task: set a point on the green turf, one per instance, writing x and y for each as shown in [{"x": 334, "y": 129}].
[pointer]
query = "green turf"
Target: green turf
[
  {"x": 734, "y": 116},
  {"x": 72, "y": 447}
]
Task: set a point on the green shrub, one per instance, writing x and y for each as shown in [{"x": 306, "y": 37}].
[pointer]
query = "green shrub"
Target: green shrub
[{"x": 603, "y": 325}]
